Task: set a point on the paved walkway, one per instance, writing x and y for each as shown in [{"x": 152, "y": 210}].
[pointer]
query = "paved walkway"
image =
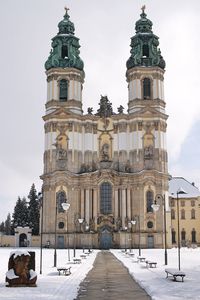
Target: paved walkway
[{"x": 110, "y": 280}]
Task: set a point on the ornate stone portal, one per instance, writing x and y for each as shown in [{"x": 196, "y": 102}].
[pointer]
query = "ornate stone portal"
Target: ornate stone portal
[{"x": 108, "y": 165}]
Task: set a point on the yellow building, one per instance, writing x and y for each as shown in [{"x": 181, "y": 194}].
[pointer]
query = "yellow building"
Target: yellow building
[{"x": 189, "y": 212}]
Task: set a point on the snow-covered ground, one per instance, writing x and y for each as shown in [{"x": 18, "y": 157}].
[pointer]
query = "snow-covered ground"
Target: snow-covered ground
[
  {"x": 154, "y": 281},
  {"x": 51, "y": 286}
]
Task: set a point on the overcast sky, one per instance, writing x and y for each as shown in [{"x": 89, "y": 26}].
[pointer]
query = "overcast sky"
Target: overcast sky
[{"x": 104, "y": 28}]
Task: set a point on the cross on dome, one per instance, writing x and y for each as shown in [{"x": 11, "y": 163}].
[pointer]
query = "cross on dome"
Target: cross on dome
[
  {"x": 66, "y": 8},
  {"x": 143, "y": 8}
]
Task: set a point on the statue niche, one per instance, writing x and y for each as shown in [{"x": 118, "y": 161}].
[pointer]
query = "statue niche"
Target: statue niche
[
  {"x": 105, "y": 152},
  {"x": 61, "y": 151},
  {"x": 148, "y": 150}
]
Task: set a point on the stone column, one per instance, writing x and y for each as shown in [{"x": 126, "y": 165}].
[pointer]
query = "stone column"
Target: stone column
[
  {"x": 129, "y": 204},
  {"x": 116, "y": 213},
  {"x": 123, "y": 207},
  {"x": 87, "y": 206},
  {"x": 82, "y": 204},
  {"x": 95, "y": 207}
]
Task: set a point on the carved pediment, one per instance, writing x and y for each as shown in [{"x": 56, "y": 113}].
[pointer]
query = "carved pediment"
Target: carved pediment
[{"x": 60, "y": 113}]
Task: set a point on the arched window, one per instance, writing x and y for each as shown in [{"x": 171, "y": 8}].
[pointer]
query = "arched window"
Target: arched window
[
  {"x": 64, "y": 52},
  {"x": 145, "y": 50},
  {"x": 63, "y": 90},
  {"x": 182, "y": 214},
  {"x": 106, "y": 198},
  {"x": 183, "y": 235},
  {"x": 172, "y": 214},
  {"x": 149, "y": 200},
  {"x": 146, "y": 88},
  {"x": 193, "y": 214},
  {"x": 193, "y": 235},
  {"x": 173, "y": 236},
  {"x": 60, "y": 198}
]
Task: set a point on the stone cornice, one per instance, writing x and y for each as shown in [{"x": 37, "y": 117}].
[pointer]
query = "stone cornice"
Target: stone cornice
[
  {"x": 71, "y": 73},
  {"x": 139, "y": 72}
]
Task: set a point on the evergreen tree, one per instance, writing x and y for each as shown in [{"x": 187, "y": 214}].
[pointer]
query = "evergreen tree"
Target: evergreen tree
[
  {"x": 8, "y": 225},
  {"x": 2, "y": 227},
  {"x": 20, "y": 216},
  {"x": 34, "y": 214}
]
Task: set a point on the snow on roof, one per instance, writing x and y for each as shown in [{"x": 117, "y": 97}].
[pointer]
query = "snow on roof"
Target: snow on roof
[{"x": 177, "y": 183}]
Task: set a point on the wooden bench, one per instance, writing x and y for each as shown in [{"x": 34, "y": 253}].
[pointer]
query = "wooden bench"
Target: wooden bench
[
  {"x": 83, "y": 256},
  {"x": 76, "y": 260},
  {"x": 66, "y": 270},
  {"x": 141, "y": 259},
  {"x": 131, "y": 254},
  {"x": 175, "y": 273},
  {"x": 151, "y": 264}
]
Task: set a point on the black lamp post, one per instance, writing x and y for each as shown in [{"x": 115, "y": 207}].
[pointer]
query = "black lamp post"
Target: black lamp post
[
  {"x": 55, "y": 238},
  {"x": 156, "y": 207},
  {"x": 66, "y": 207},
  {"x": 179, "y": 192},
  {"x": 135, "y": 221},
  {"x": 40, "y": 198},
  {"x": 132, "y": 222},
  {"x": 125, "y": 229},
  {"x": 75, "y": 230},
  {"x": 81, "y": 222}
]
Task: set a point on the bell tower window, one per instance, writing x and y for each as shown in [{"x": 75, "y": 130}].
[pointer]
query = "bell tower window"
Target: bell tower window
[
  {"x": 146, "y": 88},
  {"x": 145, "y": 51},
  {"x": 64, "y": 52},
  {"x": 63, "y": 90}
]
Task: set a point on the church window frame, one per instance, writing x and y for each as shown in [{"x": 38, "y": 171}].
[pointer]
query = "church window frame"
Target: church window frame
[
  {"x": 60, "y": 198},
  {"x": 149, "y": 201},
  {"x": 106, "y": 198},
  {"x": 183, "y": 235},
  {"x": 61, "y": 225},
  {"x": 193, "y": 235},
  {"x": 63, "y": 90},
  {"x": 183, "y": 214},
  {"x": 146, "y": 88},
  {"x": 173, "y": 236},
  {"x": 193, "y": 216},
  {"x": 173, "y": 214}
]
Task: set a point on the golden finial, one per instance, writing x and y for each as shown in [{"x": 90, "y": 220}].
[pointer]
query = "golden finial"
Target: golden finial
[{"x": 143, "y": 8}]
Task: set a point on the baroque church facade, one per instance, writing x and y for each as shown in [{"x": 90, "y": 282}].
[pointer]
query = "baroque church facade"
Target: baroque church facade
[{"x": 107, "y": 165}]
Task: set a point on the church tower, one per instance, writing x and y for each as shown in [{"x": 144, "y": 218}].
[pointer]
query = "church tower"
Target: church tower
[{"x": 108, "y": 166}]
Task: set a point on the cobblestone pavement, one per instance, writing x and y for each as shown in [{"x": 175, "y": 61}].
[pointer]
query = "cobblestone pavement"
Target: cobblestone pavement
[{"x": 110, "y": 280}]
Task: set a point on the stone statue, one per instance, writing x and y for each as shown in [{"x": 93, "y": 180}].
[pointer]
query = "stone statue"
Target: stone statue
[
  {"x": 19, "y": 272},
  {"x": 148, "y": 152},
  {"x": 105, "y": 152},
  {"x": 120, "y": 109},
  {"x": 61, "y": 153},
  {"x": 90, "y": 110}
]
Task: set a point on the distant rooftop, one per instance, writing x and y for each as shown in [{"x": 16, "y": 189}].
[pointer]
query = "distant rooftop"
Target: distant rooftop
[{"x": 179, "y": 182}]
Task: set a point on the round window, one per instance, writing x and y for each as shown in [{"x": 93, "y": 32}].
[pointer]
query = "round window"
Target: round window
[
  {"x": 150, "y": 224},
  {"x": 61, "y": 225}
]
